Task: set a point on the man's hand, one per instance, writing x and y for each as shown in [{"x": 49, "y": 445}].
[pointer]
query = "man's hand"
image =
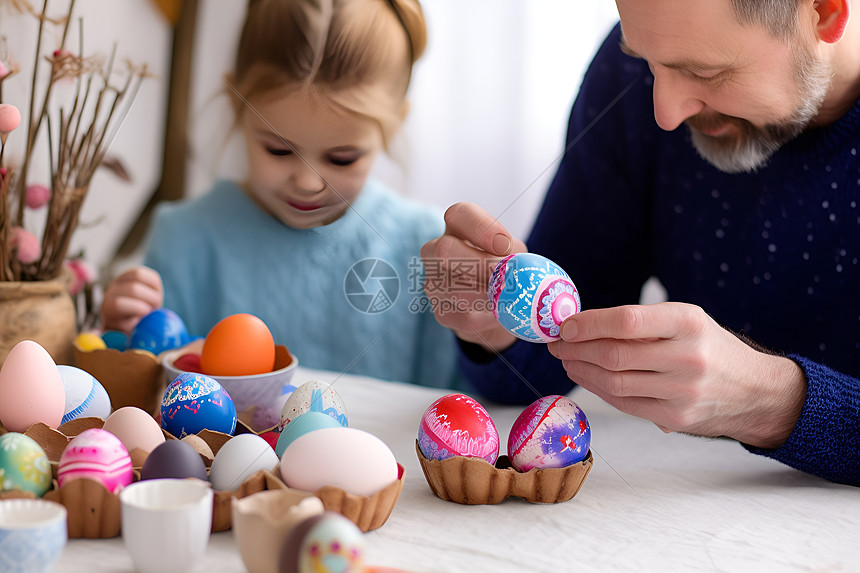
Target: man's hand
[
  {"x": 474, "y": 237},
  {"x": 672, "y": 364}
]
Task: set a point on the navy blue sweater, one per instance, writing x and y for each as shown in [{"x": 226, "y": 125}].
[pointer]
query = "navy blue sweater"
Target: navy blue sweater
[{"x": 772, "y": 254}]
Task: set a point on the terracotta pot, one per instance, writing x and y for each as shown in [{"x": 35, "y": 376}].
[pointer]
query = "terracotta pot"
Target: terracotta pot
[{"x": 42, "y": 311}]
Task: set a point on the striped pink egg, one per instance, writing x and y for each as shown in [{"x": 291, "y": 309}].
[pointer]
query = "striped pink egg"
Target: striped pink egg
[{"x": 97, "y": 455}]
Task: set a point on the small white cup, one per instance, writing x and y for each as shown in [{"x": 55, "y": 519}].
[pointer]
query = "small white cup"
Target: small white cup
[{"x": 166, "y": 523}]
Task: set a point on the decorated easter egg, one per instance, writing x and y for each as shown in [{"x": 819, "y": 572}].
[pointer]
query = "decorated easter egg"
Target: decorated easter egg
[
  {"x": 238, "y": 459},
  {"x": 457, "y": 425},
  {"x": 31, "y": 389},
  {"x": 85, "y": 396},
  {"x": 353, "y": 460},
  {"x": 238, "y": 345},
  {"x": 531, "y": 296},
  {"x": 194, "y": 402},
  {"x": 23, "y": 465},
  {"x": 307, "y": 422},
  {"x": 314, "y": 396},
  {"x": 160, "y": 330},
  {"x": 98, "y": 455},
  {"x": 324, "y": 542},
  {"x": 552, "y": 432},
  {"x": 173, "y": 459},
  {"x": 136, "y": 429}
]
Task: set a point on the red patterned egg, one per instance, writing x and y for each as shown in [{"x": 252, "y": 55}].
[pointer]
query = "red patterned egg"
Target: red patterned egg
[
  {"x": 457, "y": 425},
  {"x": 552, "y": 432}
]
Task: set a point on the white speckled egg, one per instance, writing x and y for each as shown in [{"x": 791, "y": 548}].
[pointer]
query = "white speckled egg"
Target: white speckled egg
[{"x": 314, "y": 396}]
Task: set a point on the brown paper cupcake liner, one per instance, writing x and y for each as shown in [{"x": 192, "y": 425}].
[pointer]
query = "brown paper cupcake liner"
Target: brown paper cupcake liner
[
  {"x": 473, "y": 481},
  {"x": 131, "y": 377},
  {"x": 367, "y": 512},
  {"x": 94, "y": 512}
]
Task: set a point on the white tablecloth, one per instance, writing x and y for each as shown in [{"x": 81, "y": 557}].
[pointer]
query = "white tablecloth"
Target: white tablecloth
[{"x": 652, "y": 502}]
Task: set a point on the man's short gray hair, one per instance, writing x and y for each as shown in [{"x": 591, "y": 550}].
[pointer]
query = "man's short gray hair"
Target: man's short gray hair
[{"x": 779, "y": 17}]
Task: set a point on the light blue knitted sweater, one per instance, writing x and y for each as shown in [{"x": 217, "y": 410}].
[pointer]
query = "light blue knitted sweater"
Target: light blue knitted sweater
[{"x": 221, "y": 254}]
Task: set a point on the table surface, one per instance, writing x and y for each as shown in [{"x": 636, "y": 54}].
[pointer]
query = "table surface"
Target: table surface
[{"x": 652, "y": 502}]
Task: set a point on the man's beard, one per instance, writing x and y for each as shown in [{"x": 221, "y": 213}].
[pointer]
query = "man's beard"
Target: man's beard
[{"x": 749, "y": 147}]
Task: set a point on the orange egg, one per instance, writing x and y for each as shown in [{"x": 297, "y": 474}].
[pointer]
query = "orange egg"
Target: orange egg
[{"x": 239, "y": 345}]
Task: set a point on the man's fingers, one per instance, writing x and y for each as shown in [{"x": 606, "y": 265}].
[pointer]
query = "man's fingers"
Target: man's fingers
[
  {"x": 470, "y": 223},
  {"x": 655, "y": 321}
]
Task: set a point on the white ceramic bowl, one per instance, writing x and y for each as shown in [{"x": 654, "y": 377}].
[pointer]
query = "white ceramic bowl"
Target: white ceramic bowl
[
  {"x": 260, "y": 390},
  {"x": 166, "y": 523},
  {"x": 32, "y": 535}
]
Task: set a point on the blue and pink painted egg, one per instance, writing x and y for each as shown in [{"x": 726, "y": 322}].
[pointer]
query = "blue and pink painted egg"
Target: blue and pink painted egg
[
  {"x": 98, "y": 455},
  {"x": 531, "y": 296},
  {"x": 457, "y": 425},
  {"x": 195, "y": 402},
  {"x": 23, "y": 465},
  {"x": 552, "y": 432}
]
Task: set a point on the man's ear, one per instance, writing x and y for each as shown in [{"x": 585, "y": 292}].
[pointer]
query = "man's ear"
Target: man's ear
[{"x": 832, "y": 19}]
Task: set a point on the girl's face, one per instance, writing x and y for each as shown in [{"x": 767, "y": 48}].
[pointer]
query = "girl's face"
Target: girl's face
[{"x": 308, "y": 159}]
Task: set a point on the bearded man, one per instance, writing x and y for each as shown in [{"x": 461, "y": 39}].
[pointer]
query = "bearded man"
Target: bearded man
[{"x": 713, "y": 145}]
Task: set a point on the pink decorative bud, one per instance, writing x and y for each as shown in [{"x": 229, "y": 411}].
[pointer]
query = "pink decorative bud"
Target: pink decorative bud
[
  {"x": 4, "y": 71},
  {"x": 37, "y": 196},
  {"x": 82, "y": 274},
  {"x": 10, "y": 117},
  {"x": 26, "y": 244}
]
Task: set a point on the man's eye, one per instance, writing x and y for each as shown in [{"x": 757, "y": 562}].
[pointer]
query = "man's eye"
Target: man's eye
[{"x": 278, "y": 152}]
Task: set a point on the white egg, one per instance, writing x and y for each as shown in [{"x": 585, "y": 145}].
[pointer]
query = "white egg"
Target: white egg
[
  {"x": 85, "y": 396},
  {"x": 238, "y": 459},
  {"x": 347, "y": 458}
]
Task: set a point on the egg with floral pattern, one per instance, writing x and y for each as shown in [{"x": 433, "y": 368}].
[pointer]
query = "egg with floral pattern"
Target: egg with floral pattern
[
  {"x": 195, "y": 402},
  {"x": 552, "y": 432},
  {"x": 457, "y": 425},
  {"x": 531, "y": 296},
  {"x": 23, "y": 465}
]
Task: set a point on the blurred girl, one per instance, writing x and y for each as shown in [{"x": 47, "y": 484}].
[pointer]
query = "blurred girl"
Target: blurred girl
[{"x": 328, "y": 258}]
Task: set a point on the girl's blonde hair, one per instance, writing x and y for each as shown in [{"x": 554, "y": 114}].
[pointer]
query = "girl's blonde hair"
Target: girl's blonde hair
[{"x": 358, "y": 53}]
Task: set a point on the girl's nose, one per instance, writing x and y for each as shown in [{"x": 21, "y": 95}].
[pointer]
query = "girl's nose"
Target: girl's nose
[
  {"x": 675, "y": 99},
  {"x": 307, "y": 178}
]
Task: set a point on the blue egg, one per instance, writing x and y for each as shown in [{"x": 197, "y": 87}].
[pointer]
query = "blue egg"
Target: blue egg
[
  {"x": 531, "y": 296},
  {"x": 160, "y": 330},
  {"x": 307, "y": 422},
  {"x": 115, "y": 339},
  {"x": 195, "y": 402}
]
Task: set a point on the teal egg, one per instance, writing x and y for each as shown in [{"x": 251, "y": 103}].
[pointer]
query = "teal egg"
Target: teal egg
[
  {"x": 23, "y": 465},
  {"x": 307, "y": 422}
]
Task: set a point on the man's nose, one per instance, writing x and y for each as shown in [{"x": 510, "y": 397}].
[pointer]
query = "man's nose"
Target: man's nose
[{"x": 676, "y": 98}]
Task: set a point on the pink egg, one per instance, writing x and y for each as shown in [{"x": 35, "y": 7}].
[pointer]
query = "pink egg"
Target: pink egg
[
  {"x": 31, "y": 388},
  {"x": 457, "y": 425},
  {"x": 552, "y": 432},
  {"x": 98, "y": 455}
]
